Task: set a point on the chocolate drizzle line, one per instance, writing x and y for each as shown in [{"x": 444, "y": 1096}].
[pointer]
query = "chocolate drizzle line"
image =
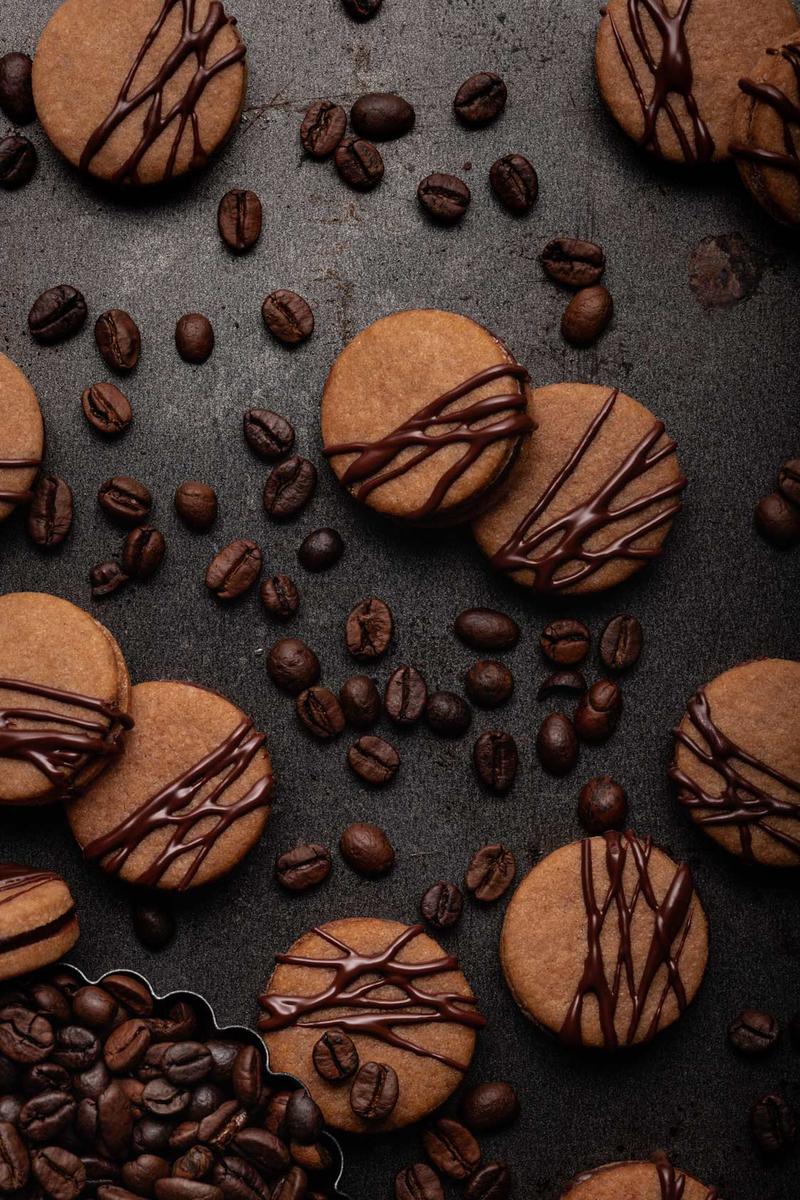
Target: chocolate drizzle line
[
  {"x": 741, "y": 803},
  {"x": 461, "y": 426},
  {"x": 19, "y": 881},
  {"x": 672, "y": 75},
  {"x": 380, "y": 1016},
  {"x": 574, "y": 528},
  {"x": 10, "y": 464},
  {"x": 672, "y": 923},
  {"x": 171, "y": 808},
  {"x": 197, "y": 42},
  {"x": 786, "y": 108},
  {"x": 673, "y": 1183},
  {"x": 60, "y": 753}
]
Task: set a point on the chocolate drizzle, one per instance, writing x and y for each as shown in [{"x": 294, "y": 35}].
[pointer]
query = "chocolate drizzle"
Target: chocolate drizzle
[
  {"x": 11, "y": 464},
  {"x": 18, "y": 881},
  {"x": 459, "y": 426},
  {"x": 573, "y": 529},
  {"x": 672, "y": 75},
  {"x": 177, "y": 808},
  {"x": 673, "y": 1183},
  {"x": 672, "y": 921},
  {"x": 786, "y": 108},
  {"x": 197, "y": 42},
  {"x": 379, "y": 1017},
  {"x": 742, "y": 803}
]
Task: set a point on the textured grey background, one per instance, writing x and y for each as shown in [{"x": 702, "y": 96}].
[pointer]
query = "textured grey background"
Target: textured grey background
[{"x": 725, "y": 382}]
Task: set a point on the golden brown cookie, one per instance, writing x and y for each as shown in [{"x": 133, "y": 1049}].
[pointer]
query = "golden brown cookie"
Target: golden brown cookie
[
  {"x": 64, "y": 698},
  {"x": 423, "y": 414},
  {"x": 140, "y": 92},
  {"x": 411, "y": 1010},
  {"x": 593, "y": 501},
  {"x": 737, "y": 761},
  {"x": 766, "y": 132},
  {"x": 668, "y": 69},
  {"x": 21, "y": 437},
  {"x": 37, "y": 919},
  {"x": 638, "y": 1181},
  {"x": 605, "y": 942},
  {"x": 189, "y": 798}
]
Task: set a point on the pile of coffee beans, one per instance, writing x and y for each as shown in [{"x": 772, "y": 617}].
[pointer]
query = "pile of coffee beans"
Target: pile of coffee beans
[
  {"x": 579, "y": 266},
  {"x": 777, "y": 515}
]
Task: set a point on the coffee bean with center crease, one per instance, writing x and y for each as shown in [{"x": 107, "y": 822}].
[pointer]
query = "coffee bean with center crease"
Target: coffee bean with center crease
[
  {"x": 621, "y": 643},
  {"x": 153, "y": 925},
  {"x": 25, "y": 1037},
  {"x": 359, "y": 163},
  {"x": 292, "y": 665},
  {"x": 61, "y": 1173},
  {"x": 489, "y": 684},
  {"x": 196, "y": 505},
  {"x": 369, "y": 630},
  {"x": 14, "y": 1160},
  {"x": 587, "y": 315},
  {"x": 194, "y": 338},
  {"x": 602, "y": 805},
  {"x": 248, "y": 1075},
  {"x": 186, "y": 1189},
  {"x": 382, "y": 116},
  {"x": 753, "y": 1032},
  {"x": 303, "y": 867},
  {"x": 141, "y": 1174},
  {"x": 557, "y": 744},
  {"x": 375, "y": 1092},
  {"x": 448, "y": 714},
  {"x": 573, "y": 263},
  {"x": 490, "y": 1182},
  {"x": 335, "y": 1056},
  {"x": 565, "y": 642},
  {"x": 490, "y": 872},
  {"x": 323, "y": 127},
  {"x": 288, "y": 317},
  {"x": 268, "y": 433},
  {"x": 514, "y": 181},
  {"x": 778, "y": 521},
  {"x": 291, "y": 1186},
  {"x": 239, "y": 219},
  {"x": 367, "y": 849},
  {"x": 304, "y": 1120},
  {"x": 597, "y": 715},
  {"x": 789, "y": 481},
  {"x": 234, "y": 570},
  {"x": 773, "y": 1123},
  {"x": 118, "y": 339},
  {"x": 442, "y": 905},
  {"x": 106, "y": 409},
  {"x": 57, "y": 314},
  {"x": 445, "y": 198},
  {"x": 373, "y": 760},
  {"x": 451, "y": 1147},
  {"x": 495, "y": 758},
  {"x": 266, "y": 1151},
  {"x": 418, "y": 1182},
  {"x": 16, "y": 89},
  {"x": 125, "y": 500},
  {"x": 362, "y": 10},
  {"x": 49, "y": 517},
  {"x": 480, "y": 99},
  {"x": 18, "y": 161},
  {"x": 105, "y": 578},
  {"x": 406, "y": 696},
  {"x": 486, "y": 629},
  {"x": 360, "y": 701},
  {"x": 487, "y": 1107},
  {"x": 280, "y": 597},
  {"x": 289, "y": 487},
  {"x": 143, "y": 552},
  {"x": 46, "y": 1115},
  {"x": 319, "y": 710},
  {"x": 320, "y": 550}
]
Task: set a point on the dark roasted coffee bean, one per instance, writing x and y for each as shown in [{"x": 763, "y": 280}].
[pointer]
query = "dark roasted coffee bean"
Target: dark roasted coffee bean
[
  {"x": 418, "y": 1182},
  {"x": 49, "y": 517},
  {"x": 142, "y": 1173},
  {"x": 557, "y": 744},
  {"x": 205, "y": 1099},
  {"x": 143, "y": 552},
  {"x": 288, "y": 317},
  {"x": 489, "y": 683},
  {"x": 451, "y": 1147},
  {"x": 490, "y": 872},
  {"x": 248, "y": 1075},
  {"x": 565, "y": 642},
  {"x": 406, "y": 696},
  {"x": 115, "y": 1115},
  {"x": 125, "y": 500},
  {"x": 194, "y": 338},
  {"x": 18, "y": 161},
  {"x": 264, "y": 1149},
  {"x": 321, "y": 713},
  {"x": 323, "y": 127},
  {"x": 280, "y": 597},
  {"x": 445, "y": 198},
  {"x": 106, "y": 409},
  {"x": 44, "y": 1116},
  {"x": 294, "y": 1184},
  {"x": 587, "y": 315},
  {"x": 61, "y": 1173},
  {"x": 602, "y": 805},
  {"x": 196, "y": 505},
  {"x": 188, "y": 1063},
  {"x": 16, "y": 90},
  {"x": 442, "y": 905},
  {"x": 234, "y": 570},
  {"x": 25, "y": 1037},
  {"x": 153, "y": 924},
  {"x": 362, "y": 10},
  {"x": 93, "y": 1081},
  {"x": 490, "y": 1182},
  {"x": 289, "y": 487},
  {"x": 496, "y": 759},
  {"x": 489, "y": 1106},
  {"x": 335, "y": 1057},
  {"x": 753, "y": 1032},
  {"x": 239, "y": 219},
  {"x": 51, "y": 1001},
  {"x": 359, "y": 163},
  {"x": 486, "y": 629},
  {"x": 778, "y": 521},
  {"x": 268, "y": 433},
  {"x": 14, "y": 1160},
  {"x": 480, "y": 99},
  {"x": 127, "y": 1045},
  {"x": 131, "y": 992},
  {"x": 118, "y": 339},
  {"x": 514, "y": 181},
  {"x": 45, "y": 1077},
  {"x": 188, "y": 1189},
  {"x": 196, "y": 1163},
  {"x": 598, "y": 713},
  {"x": 773, "y": 1122},
  {"x": 367, "y": 849},
  {"x": 382, "y": 116},
  {"x": 105, "y": 578},
  {"x": 375, "y": 1092},
  {"x": 292, "y": 666},
  {"x": 573, "y": 263},
  {"x": 303, "y": 867},
  {"x": 94, "y": 1007},
  {"x": 369, "y": 629},
  {"x": 275, "y": 1114},
  {"x": 86, "y": 1120},
  {"x": 621, "y": 643},
  {"x": 151, "y": 1136},
  {"x": 789, "y": 481},
  {"x": 320, "y": 550},
  {"x": 304, "y": 1120},
  {"x": 57, "y": 314},
  {"x": 76, "y": 1048},
  {"x": 569, "y": 683},
  {"x": 360, "y": 701},
  {"x": 179, "y": 1024},
  {"x": 373, "y": 760},
  {"x": 448, "y": 714}
]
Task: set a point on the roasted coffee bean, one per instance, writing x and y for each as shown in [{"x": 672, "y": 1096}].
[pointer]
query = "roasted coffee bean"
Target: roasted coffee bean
[
  {"x": 86, "y": 1120},
  {"x": 587, "y": 315},
  {"x": 93, "y": 1081},
  {"x": 489, "y": 684},
  {"x": 304, "y": 1120},
  {"x": 496, "y": 759},
  {"x": 152, "y": 1136},
  {"x": 76, "y": 1048},
  {"x": 360, "y": 701},
  {"x": 773, "y": 1123},
  {"x": 597, "y": 715},
  {"x": 105, "y": 578},
  {"x": 489, "y": 1106},
  {"x": 753, "y": 1032},
  {"x": 18, "y": 161},
  {"x": 369, "y": 630},
  {"x": 280, "y": 597},
  {"x": 367, "y": 849},
  {"x": 289, "y": 487},
  {"x": 288, "y": 317},
  {"x": 292, "y": 666},
  {"x": 194, "y": 1164},
  {"x": 194, "y": 338},
  {"x": 778, "y": 521},
  {"x": 335, "y": 1057},
  {"x": 382, "y": 116},
  {"x": 153, "y": 924},
  {"x": 445, "y": 198},
  {"x": 49, "y": 517},
  {"x": 188, "y": 1063},
  {"x": 45, "y": 1077},
  {"x": 448, "y": 714},
  {"x": 44, "y": 1116},
  {"x": 359, "y": 163},
  {"x": 265, "y": 1150},
  {"x": 125, "y": 500},
  {"x": 25, "y": 1037},
  {"x": 189, "y": 1189},
  {"x": 268, "y": 433},
  {"x": 320, "y": 550},
  {"x": 323, "y": 127},
  {"x": 573, "y": 263},
  {"x": 205, "y": 1099},
  {"x": 115, "y": 1114},
  {"x": 557, "y": 744},
  {"x": 451, "y": 1147},
  {"x": 373, "y": 760},
  {"x": 275, "y": 1114},
  {"x": 118, "y": 339},
  {"x": 143, "y": 552},
  {"x": 10, "y": 1108},
  {"x": 143, "y": 1172},
  {"x": 406, "y": 696},
  {"x": 196, "y": 505},
  {"x": 565, "y": 642},
  {"x": 179, "y": 1024},
  {"x": 94, "y": 1007},
  {"x": 294, "y": 1184},
  {"x": 14, "y": 1160},
  {"x": 490, "y": 1182},
  {"x": 132, "y": 993},
  {"x": 562, "y": 683},
  {"x": 418, "y": 1182},
  {"x": 621, "y": 643},
  {"x": 16, "y": 90},
  {"x": 375, "y": 1092},
  {"x": 362, "y": 10},
  {"x": 234, "y": 570},
  {"x": 514, "y": 181},
  {"x": 50, "y": 1001},
  {"x": 239, "y": 219},
  {"x": 486, "y": 629},
  {"x": 602, "y": 805},
  {"x": 490, "y": 872},
  {"x": 789, "y": 481},
  {"x": 127, "y": 1044},
  {"x": 321, "y": 713},
  {"x": 248, "y": 1075},
  {"x": 61, "y": 1173},
  {"x": 480, "y": 99},
  {"x": 303, "y": 867},
  {"x": 106, "y": 409},
  {"x": 59, "y": 313},
  {"x": 442, "y": 905}
]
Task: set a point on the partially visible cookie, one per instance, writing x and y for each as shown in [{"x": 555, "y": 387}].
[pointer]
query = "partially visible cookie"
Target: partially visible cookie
[
  {"x": 637, "y": 1181},
  {"x": 37, "y": 919},
  {"x": 21, "y": 437},
  {"x": 737, "y": 761},
  {"x": 766, "y": 133}
]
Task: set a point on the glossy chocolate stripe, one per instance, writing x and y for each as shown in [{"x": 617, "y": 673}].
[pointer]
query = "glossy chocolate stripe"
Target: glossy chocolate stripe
[
  {"x": 786, "y": 108},
  {"x": 11, "y": 464},
  {"x": 31, "y": 936}
]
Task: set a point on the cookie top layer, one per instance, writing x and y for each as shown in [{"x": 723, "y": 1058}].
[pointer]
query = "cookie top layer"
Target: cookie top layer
[
  {"x": 605, "y": 942},
  {"x": 638, "y": 1181},
  {"x": 737, "y": 761},
  {"x": 37, "y": 919},
  {"x": 593, "y": 501},
  {"x": 140, "y": 92},
  {"x": 64, "y": 698},
  {"x": 419, "y": 418},
  {"x": 766, "y": 134},
  {"x": 668, "y": 69},
  {"x": 416, "y": 1014},
  {"x": 189, "y": 798},
  {"x": 21, "y": 437}
]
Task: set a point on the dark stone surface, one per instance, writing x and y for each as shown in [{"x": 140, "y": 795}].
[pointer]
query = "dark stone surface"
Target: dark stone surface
[{"x": 724, "y": 380}]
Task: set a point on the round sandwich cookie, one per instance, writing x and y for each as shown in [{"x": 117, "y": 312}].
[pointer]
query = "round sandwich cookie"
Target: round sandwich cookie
[
  {"x": 423, "y": 415},
  {"x": 64, "y": 698},
  {"x": 668, "y": 69},
  {"x": 594, "y": 500},
  {"x": 657, "y": 1180},
  {"x": 605, "y": 942},
  {"x": 766, "y": 132},
  {"x": 388, "y": 1005},
  {"x": 737, "y": 761},
  {"x": 37, "y": 919},
  {"x": 21, "y": 437},
  {"x": 141, "y": 92},
  {"x": 190, "y": 797}
]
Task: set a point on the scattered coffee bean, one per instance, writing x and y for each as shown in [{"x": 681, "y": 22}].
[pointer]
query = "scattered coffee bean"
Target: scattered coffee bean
[
  {"x": 367, "y": 849},
  {"x": 448, "y": 714},
  {"x": 303, "y": 867},
  {"x": 280, "y": 597},
  {"x": 573, "y": 263},
  {"x": 489, "y": 684},
  {"x": 49, "y": 517},
  {"x": 320, "y": 550},
  {"x": 360, "y": 701},
  {"x": 486, "y": 629},
  {"x": 495, "y": 758},
  {"x": 106, "y": 578},
  {"x": 778, "y": 521},
  {"x": 406, "y": 696},
  {"x": 773, "y": 1122},
  {"x": 557, "y": 744},
  {"x": 359, "y": 163},
  {"x": 304, "y": 1120},
  {"x": 369, "y": 629},
  {"x": 375, "y": 1092},
  {"x": 268, "y": 433},
  {"x": 789, "y": 481},
  {"x": 234, "y": 570},
  {"x": 292, "y": 666},
  {"x": 125, "y": 500},
  {"x": 487, "y": 1107},
  {"x": 562, "y": 682},
  {"x": 382, "y": 116},
  {"x": 514, "y": 181},
  {"x": 196, "y": 505},
  {"x": 61, "y": 1174},
  {"x": 445, "y": 198},
  {"x": 490, "y": 1182},
  {"x": 289, "y": 487},
  {"x": 239, "y": 219},
  {"x": 335, "y": 1056},
  {"x": 323, "y": 127},
  {"x": 59, "y": 313},
  {"x": 587, "y": 315},
  {"x": 565, "y": 642},
  {"x": 362, "y": 10},
  {"x": 319, "y": 710},
  {"x": 373, "y": 760},
  {"x": 194, "y": 338},
  {"x": 288, "y": 317},
  {"x": 153, "y": 924},
  {"x": 621, "y": 643},
  {"x": 118, "y": 339},
  {"x": 451, "y": 1147},
  {"x": 18, "y": 161},
  {"x": 480, "y": 99},
  {"x": 442, "y": 905},
  {"x": 602, "y": 805},
  {"x": 597, "y": 715},
  {"x": 143, "y": 552},
  {"x": 418, "y": 1182},
  {"x": 16, "y": 90},
  {"x": 491, "y": 872},
  {"x": 14, "y": 1159},
  {"x": 106, "y": 409},
  {"x": 753, "y": 1032}
]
